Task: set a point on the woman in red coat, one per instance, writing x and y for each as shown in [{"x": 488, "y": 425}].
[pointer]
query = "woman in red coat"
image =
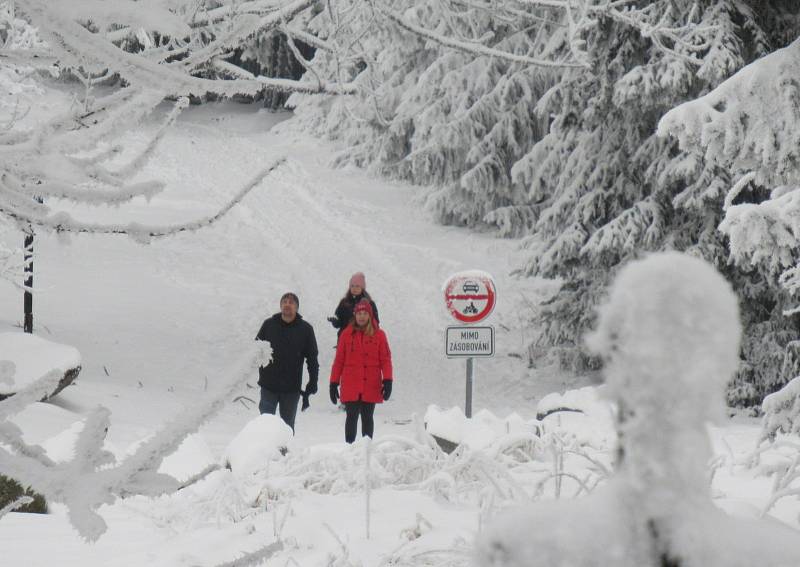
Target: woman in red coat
[{"x": 363, "y": 368}]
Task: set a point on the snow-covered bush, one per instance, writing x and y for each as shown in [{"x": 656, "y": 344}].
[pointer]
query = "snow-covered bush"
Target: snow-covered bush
[
  {"x": 669, "y": 334},
  {"x": 782, "y": 411}
]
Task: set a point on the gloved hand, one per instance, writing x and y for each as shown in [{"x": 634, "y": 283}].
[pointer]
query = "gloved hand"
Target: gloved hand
[
  {"x": 334, "y": 321},
  {"x": 387, "y": 389},
  {"x": 311, "y": 387},
  {"x": 334, "y": 393}
]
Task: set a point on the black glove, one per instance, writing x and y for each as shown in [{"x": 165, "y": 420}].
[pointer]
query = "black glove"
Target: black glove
[
  {"x": 334, "y": 393},
  {"x": 311, "y": 387},
  {"x": 334, "y": 321},
  {"x": 387, "y": 389}
]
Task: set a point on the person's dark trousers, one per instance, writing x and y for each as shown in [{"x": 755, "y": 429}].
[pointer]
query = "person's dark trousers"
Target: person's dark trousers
[
  {"x": 284, "y": 402},
  {"x": 354, "y": 409}
]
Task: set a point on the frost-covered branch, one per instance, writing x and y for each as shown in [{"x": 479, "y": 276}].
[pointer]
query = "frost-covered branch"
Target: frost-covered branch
[
  {"x": 474, "y": 48},
  {"x": 63, "y": 222},
  {"x": 17, "y": 503},
  {"x": 87, "y": 480},
  {"x": 244, "y": 26}
]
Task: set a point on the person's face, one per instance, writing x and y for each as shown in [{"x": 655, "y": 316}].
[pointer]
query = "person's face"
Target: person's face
[
  {"x": 356, "y": 289},
  {"x": 362, "y": 318},
  {"x": 288, "y": 308}
]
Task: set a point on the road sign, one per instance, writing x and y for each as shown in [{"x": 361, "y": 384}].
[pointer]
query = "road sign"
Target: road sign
[
  {"x": 469, "y": 341},
  {"x": 470, "y": 296}
]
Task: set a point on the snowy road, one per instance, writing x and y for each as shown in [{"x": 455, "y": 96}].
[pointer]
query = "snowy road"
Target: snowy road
[{"x": 158, "y": 323}]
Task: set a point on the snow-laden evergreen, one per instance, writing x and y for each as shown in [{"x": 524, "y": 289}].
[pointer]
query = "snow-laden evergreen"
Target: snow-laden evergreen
[
  {"x": 566, "y": 153},
  {"x": 732, "y": 128}
]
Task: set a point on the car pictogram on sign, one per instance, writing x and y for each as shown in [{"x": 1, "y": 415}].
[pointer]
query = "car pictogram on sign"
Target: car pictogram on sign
[{"x": 470, "y": 286}]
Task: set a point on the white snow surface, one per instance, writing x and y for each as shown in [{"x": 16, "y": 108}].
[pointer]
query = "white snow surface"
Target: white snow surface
[
  {"x": 479, "y": 432},
  {"x": 160, "y": 326},
  {"x": 24, "y": 358},
  {"x": 257, "y": 443}
]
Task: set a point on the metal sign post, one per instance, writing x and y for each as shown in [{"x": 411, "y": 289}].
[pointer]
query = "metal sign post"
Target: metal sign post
[
  {"x": 469, "y": 297},
  {"x": 468, "y": 404},
  {"x": 470, "y": 342}
]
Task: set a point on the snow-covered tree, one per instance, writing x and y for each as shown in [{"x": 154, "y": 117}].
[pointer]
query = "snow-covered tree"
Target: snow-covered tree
[
  {"x": 539, "y": 117},
  {"x": 141, "y": 54},
  {"x": 757, "y": 209},
  {"x": 606, "y": 187}
]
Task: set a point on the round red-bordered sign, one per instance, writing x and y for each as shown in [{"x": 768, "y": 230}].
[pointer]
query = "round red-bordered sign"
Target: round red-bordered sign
[{"x": 470, "y": 296}]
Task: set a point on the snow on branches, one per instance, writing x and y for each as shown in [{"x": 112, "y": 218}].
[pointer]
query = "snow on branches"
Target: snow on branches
[
  {"x": 93, "y": 477},
  {"x": 759, "y": 143},
  {"x": 70, "y": 155}
]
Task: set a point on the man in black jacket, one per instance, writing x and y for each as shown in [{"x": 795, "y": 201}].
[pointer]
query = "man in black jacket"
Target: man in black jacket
[{"x": 292, "y": 340}]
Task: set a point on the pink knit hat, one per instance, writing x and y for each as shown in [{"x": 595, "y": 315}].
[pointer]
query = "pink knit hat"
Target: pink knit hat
[{"x": 359, "y": 279}]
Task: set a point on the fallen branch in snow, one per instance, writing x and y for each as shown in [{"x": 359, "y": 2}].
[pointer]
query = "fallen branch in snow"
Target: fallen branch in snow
[
  {"x": 199, "y": 476},
  {"x": 255, "y": 557}
]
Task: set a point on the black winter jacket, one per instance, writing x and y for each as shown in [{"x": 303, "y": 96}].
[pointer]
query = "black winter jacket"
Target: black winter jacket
[
  {"x": 291, "y": 343},
  {"x": 344, "y": 312}
]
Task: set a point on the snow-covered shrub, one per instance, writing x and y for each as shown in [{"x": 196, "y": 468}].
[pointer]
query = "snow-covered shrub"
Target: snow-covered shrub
[
  {"x": 782, "y": 411},
  {"x": 259, "y": 442},
  {"x": 669, "y": 334}
]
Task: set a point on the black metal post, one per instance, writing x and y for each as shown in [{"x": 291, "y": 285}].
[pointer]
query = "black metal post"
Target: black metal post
[{"x": 28, "y": 300}]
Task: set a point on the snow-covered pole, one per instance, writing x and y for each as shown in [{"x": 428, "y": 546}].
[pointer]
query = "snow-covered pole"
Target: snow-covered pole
[{"x": 27, "y": 301}]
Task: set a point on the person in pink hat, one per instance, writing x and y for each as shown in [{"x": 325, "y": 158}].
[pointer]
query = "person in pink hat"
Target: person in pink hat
[
  {"x": 361, "y": 375},
  {"x": 356, "y": 291}
]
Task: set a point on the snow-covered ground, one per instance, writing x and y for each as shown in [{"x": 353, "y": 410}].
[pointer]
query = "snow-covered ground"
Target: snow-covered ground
[{"x": 159, "y": 325}]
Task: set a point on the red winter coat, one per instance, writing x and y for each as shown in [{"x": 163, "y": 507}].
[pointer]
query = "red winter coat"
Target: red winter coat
[{"x": 361, "y": 365}]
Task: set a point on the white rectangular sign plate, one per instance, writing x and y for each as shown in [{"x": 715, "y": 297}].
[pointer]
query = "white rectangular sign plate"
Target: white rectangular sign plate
[{"x": 469, "y": 341}]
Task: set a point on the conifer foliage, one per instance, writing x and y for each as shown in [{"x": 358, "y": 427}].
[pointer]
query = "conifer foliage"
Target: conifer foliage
[{"x": 540, "y": 117}]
